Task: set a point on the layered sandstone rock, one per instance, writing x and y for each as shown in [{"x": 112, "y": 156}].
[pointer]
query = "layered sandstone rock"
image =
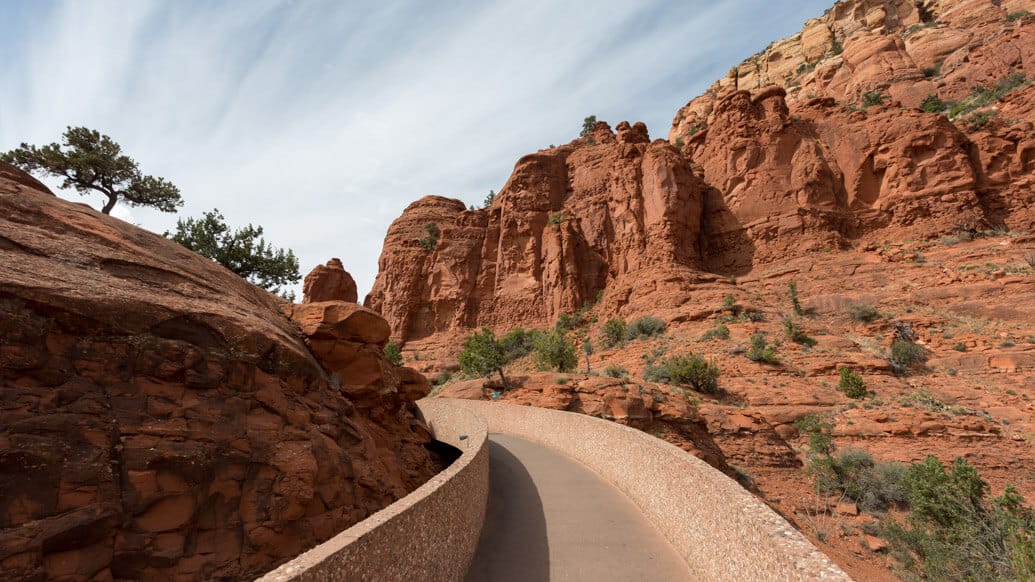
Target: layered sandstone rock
[
  {"x": 825, "y": 176},
  {"x": 779, "y": 159},
  {"x": 607, "y": 214},
  {"x": 330, "y": 282},
  {"x": 904, "y": 48},
  {"x": 161, "y": 419},
  {"x": 900, "y": 52}
]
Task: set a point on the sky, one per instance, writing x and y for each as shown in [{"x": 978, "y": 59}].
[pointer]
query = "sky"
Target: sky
[{"x": 321, "y": 120}]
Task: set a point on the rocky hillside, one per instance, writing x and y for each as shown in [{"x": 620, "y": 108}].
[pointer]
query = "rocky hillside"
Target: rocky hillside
[
  {"x": 833, "y": 155},
  {"x": 905, "y": 50},
  {"x": 882, "y": 161},
  {"x": 571, "y": 223},
  {"x": 161, "y": 418}
]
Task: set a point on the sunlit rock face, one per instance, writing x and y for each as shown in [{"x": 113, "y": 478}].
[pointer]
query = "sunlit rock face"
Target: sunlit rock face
[{"x": 161, "y": 418}]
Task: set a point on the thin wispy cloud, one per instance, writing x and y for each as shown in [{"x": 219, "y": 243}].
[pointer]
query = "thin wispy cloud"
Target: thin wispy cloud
[{"x": 322, "y": 120}]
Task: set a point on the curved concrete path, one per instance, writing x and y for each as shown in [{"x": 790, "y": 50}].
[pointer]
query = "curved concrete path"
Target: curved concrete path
[{"x": 551, "y": 518}]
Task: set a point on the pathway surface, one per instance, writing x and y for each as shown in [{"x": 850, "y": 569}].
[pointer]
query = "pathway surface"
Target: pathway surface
[{"x": 552, "y": 518}]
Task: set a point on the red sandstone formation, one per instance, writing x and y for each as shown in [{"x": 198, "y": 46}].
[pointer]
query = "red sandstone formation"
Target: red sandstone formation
[
  {"x": 161, "y": 419},
  {"x": 903, "y": 48},
  {"x": 780, "y": 158},
  {"x": 330, "y": 282},
  {"x": 19, "y": 181},
  {"x": 836, "y": 120},
  {"x": 571, "y": 222}
]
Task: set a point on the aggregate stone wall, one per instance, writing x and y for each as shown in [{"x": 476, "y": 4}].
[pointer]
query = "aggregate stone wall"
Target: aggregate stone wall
[
  {"x": 721, "y": 530},
  {"x": 431, "y": 534}
]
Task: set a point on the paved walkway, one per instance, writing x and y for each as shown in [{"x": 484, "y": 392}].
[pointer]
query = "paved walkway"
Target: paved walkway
[{"x": 552, "y": 518}]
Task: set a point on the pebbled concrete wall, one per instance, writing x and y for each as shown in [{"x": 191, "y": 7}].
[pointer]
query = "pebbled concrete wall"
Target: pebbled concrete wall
[
  {"x": 720, "y": 529},
  {"x": 431, "y": 534}
]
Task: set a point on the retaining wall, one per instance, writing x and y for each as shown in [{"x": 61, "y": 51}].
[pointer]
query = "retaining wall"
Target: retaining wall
[
  {"x": 431, "y": 534},
  {"x": 721, "y": 530}
]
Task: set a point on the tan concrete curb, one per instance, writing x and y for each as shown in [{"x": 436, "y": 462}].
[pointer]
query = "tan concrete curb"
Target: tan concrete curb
[
  {"x": 431, "y": 534},
  {"x": 721, "y": 530}
]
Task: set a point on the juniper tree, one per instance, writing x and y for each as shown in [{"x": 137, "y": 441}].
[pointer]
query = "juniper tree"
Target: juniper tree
[{"x": 92, "y": 162}]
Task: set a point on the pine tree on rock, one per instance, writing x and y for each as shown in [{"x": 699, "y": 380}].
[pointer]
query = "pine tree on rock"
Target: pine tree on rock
[{"x": 92, "y": 162}]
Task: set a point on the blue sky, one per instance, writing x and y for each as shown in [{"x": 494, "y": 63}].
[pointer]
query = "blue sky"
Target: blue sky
[{"x": 321, "y": 120}]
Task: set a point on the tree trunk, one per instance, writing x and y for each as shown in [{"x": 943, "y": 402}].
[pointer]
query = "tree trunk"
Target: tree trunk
[
  {"x": 506, "y": 385},
  {"x": 112, "y": 199},
  {"x": 587, "y": 364}
]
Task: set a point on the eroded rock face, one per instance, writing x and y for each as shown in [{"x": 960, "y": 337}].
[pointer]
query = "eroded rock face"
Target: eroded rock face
[
  {"x": 330, "y": 282},
  {"x": 160, "y": 418},
  {"x": 843, "y": 117},
  {"x": 604, "y": 214},
  {"x": 903, "y": 48},
  {"x": 826, "y": 176},
  {"x": 816, "y": 144}
]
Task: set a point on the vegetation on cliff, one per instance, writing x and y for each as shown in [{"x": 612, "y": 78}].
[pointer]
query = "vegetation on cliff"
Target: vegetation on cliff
[{"x": 91, "y": 162}]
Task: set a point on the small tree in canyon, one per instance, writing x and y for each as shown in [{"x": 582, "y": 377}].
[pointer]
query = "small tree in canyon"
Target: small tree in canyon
[{"x": 482, "y": 355}]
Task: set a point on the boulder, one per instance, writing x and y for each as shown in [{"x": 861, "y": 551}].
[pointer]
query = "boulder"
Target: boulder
[{"x": 330, "y": 282}]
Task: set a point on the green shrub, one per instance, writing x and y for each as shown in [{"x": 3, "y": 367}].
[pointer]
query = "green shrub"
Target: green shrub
[
  {"x": 554, "y": 352},
  {"x": 960, "y": 347},
  {"x": 562, "y": 380},
  {"x": 792, "y": 289},
  {"x": 932, "y": 104},
  {"x": 430, "y": 240},
  {"x": 793, "y": 332},
  {"x": 646, "y": 326},
  {"x": 873, "y": 99},
  {"x": 953, "y": 533},
  {"x": 760, "y": 351},
  {"x": 518, "y": 343},
  {"x": 1017, "y": 15},
  {"x": 932, "y": 72},
  {"x": 851, "y": 383},
  {"x": 853, "y": 474},
  {"x": 836, "y": 47},
  {"x": 393, "y": 353},
  {"x": 753, "y": 315},
  {"x": 564, "y": 322},
  {"x": 555, "y": 218},
  {"x": 616, "y": 371},
  {"x": 817, "y": 430},
  {"x": 442, "y": 378},
  {"x": 718, "y": 332},
  {"x": 690, "y": 370},
  {"x": 613, "y": 333},
  {"x": 587, "y": 125},
  {"x": 729, "y": 303},
  {"x": 862, "y": 313},
  {"x": 906, "y": 355},
  {"x": 980, "y": 119}
]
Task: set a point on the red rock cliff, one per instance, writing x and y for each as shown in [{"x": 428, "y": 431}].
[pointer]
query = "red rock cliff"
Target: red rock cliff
[
  {"x": 831, "y": 118},
  {"x": 160, "y": 418},
  {"x": 605, "y": 214},
  {"x": 815, "y": 144}
]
